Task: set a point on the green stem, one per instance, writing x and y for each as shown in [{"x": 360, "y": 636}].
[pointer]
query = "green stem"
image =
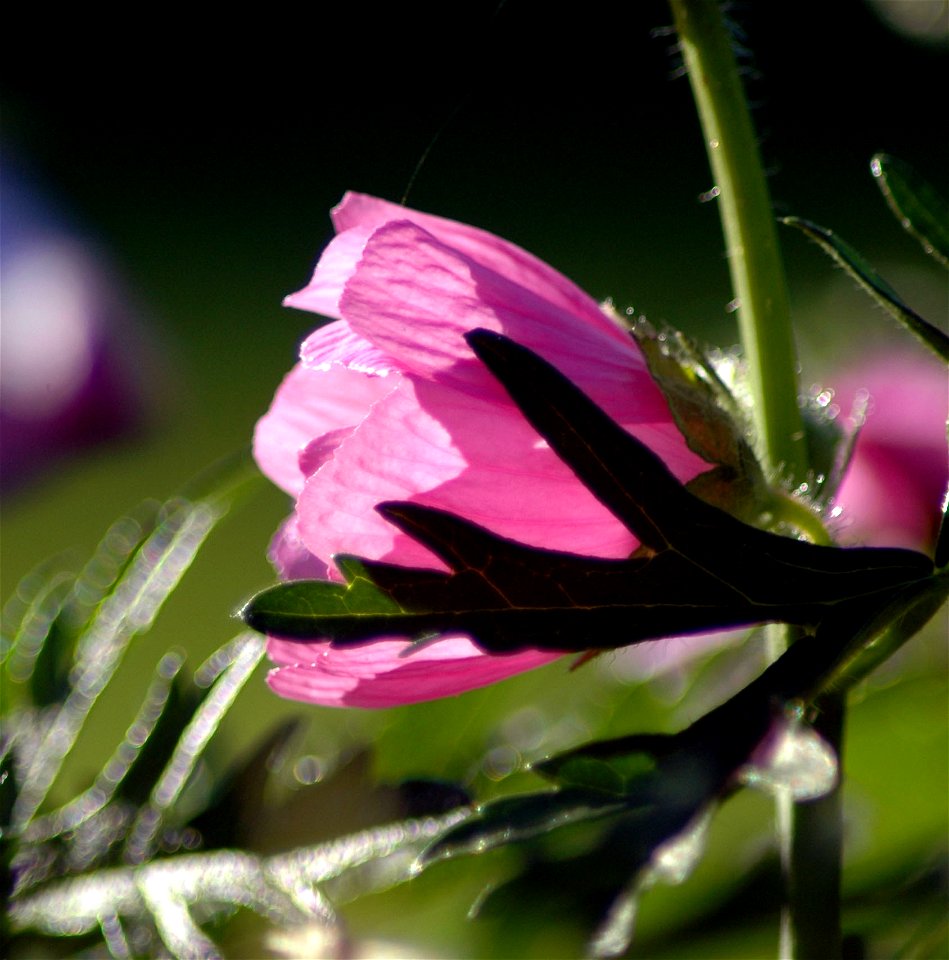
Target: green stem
[
  {"x": 810, "y": 836},
  {"x": 812, "y": 911},
  {"x": 785, "y": 509},
  {"x": 754, "y": 259}
]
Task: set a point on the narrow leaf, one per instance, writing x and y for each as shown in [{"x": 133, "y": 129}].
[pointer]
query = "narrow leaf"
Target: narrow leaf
[
  {"x": 841, "y": 251},
  {"x": 246, "y": 651},
  {"x": 915, "y": 203},
  {"x": 513, "y": 819},
  {"x": 129, "y": 609}
]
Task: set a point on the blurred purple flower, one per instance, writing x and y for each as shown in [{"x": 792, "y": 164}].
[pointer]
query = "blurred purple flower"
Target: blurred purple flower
[{"x": 67, "y": 374}]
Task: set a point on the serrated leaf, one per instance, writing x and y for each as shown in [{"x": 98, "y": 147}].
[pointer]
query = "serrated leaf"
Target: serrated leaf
[
  {"x": 921, "y": 211},
  {"x": 861, "y": 271},
  {"x": 699, "y": 569}
]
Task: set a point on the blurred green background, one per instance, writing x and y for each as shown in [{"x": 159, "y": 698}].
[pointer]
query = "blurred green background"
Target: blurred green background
[{"x": 199, "y": 152}]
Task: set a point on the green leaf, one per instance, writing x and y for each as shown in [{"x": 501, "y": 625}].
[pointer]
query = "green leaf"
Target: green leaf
[
  {"x": 876, "y": 638},
  {"x": 35, "y": 654},
  {"x": 614, "y": 776},
  {"x": 709, "y": 418},
  {"x": 643, "y": 795},
  {"x": 514, "y": 819},
  {"x": 861, "y": 271},
  {"x": 920, "y": 210},
  {"x": 612, "y": 765},
  {"x": 306, "y": 608},
  {"x": 169, "y": 707},
  {"x": 698, "y": 569}
]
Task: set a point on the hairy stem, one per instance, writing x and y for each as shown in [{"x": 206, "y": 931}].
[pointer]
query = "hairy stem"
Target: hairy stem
[
  {"x": 809, "y": 836},
  {"x": 754, "y": 258}
]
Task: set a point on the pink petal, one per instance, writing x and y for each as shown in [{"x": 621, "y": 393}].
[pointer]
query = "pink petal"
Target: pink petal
[
  {"x": 359, "y": 212},
  {"x": 430, "y": 444},
  {"x": 336, "y": 345},
  {"x": 414, "y": 298},
  {"x": 335, "y": 266},
  {"x": 376, "y": 675},
  {"x": 390, "y": 403},
  {"x": 290, "y": 557},
  {"x": 307, "y": 405},
  {"x": 893, "y": 489}
]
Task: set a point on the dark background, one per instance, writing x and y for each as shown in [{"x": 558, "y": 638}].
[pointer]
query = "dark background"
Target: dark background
[{"x": 199, "y": 151}]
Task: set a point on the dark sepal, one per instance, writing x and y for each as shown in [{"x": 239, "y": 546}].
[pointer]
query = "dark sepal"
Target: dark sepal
[{"x": 699, "y": 568}]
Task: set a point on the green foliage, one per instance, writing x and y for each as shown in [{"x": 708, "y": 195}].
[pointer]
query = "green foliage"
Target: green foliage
[
  {"x": 647, "y": 795},
  {"x": 915, "y": 203},
  {"x": 127, "y": 860},
  {"x": 881, "y": 291}
]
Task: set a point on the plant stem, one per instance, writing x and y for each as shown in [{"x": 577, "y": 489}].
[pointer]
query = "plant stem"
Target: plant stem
[
  {"x": 810, "y": 835},
  {"x": 754, "y": 259},
  {"x": 811, "y": 925}
]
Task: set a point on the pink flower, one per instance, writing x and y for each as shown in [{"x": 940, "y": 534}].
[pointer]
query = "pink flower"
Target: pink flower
[
  {"x": 389, "y": 403},
  {"x": 892, "y": 492}
]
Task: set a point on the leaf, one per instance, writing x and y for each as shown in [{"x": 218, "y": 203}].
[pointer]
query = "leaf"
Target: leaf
[
  {"x": 613, "y": 776},
  {"x": 647, "y": 796},
  {"x": 861, "y": 271},
  {"x": 512, "y": 819},
  {"x": 360, "y": 604},
  {"x": 34, "y": 652},
  {"x": 902, "y": 614},
  {"x": 699, "y": 569},
  {"x": 709, "y": 418},
  {"x": 919, "y": 208},
  {"x": 284, "y": 888},
  {"x": 146, "y": 579},
  {"x": 241, "y": 656},
  {"x": 830, "y": 447},
  {"x": 169, "y": 707}
]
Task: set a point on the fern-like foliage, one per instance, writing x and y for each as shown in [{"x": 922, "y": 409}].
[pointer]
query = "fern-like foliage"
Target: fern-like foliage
[{"x": 125, "y": 866}]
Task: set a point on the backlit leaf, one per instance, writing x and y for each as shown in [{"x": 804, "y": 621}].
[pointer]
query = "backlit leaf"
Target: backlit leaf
[
  {"x": 920, "y": 210},
  {"x": 698, "y": 569},
  {"x": 861, "y": 271}
]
